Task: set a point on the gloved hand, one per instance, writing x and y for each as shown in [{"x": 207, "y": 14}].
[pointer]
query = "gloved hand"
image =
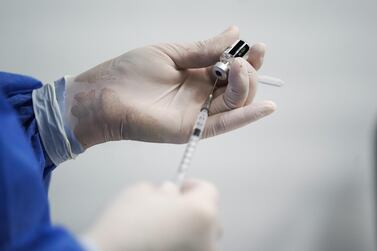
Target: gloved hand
[
  {"x": 147, "y": 217},
  {"x": 154, "y": 93}
]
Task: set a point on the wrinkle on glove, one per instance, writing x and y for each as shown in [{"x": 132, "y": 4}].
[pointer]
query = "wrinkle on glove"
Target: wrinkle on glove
[{"x": 58, "y": 140}]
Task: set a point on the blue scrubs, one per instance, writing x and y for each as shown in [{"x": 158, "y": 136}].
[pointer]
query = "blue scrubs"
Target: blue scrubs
[{"x": 24, "y": 174}]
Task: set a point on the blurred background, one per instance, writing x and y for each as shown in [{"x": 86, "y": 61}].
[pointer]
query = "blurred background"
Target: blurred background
[{"x": 301, "y": 179}]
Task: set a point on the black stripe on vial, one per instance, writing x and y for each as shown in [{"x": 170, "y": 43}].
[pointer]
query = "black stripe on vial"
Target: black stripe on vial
[
  {"x": 236, "y": 47},
  {"x": 243, "y": 51},
  {"x": 196, "y": 132}
]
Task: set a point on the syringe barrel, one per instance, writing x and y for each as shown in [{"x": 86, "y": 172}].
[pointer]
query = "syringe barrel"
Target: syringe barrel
[
  {"x": 191, "y": 145},
  {"x": 200, "y": 123}
]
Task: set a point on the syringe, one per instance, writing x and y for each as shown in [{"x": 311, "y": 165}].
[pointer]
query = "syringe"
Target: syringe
[
  {"x": 194, "y": 138},
  {"x": 220, "y": 71},
  {"x": 200, "y": 123}
]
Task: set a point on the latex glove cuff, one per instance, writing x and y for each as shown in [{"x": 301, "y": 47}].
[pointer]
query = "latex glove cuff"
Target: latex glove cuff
[{"x": 58, "y": 139}]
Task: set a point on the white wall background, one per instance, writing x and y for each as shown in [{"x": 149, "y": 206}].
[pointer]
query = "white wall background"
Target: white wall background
[{"x": 299, "y": 180}]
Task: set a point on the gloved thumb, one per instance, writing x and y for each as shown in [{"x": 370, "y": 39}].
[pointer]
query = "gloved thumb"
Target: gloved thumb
[{"x": 201, "y": 53}]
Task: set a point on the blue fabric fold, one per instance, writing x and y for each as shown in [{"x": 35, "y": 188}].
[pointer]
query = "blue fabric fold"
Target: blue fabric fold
[
  {"x": 24, "y": 173},
  {"x": 18, "y": 92}
]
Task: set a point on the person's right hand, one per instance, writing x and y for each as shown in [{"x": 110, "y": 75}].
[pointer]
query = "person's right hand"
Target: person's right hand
[{"x": 150, "y": 218}]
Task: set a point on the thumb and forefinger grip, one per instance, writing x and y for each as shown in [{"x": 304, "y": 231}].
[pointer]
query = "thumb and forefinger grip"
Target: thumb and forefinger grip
[
  {"x": 201, "y": 53},
  {"x": 236, "y": 91}
]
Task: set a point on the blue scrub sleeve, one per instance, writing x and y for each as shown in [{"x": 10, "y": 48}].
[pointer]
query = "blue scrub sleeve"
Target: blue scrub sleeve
[
  {"x": 24, "y": 212},
  {"x": 17, "y": 90}
]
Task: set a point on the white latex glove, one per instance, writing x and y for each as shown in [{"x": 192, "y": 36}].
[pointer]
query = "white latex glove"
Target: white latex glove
[
  {"x": 150, "y": 218},
  {"x": 154, "y": 93}
]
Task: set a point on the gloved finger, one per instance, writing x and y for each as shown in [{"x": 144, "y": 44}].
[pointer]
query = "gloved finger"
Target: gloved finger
[
  {"x": 255, "y": 61},
  {"x": 189, "y": 184},
  {"x": 256, "y": 55},
  {"x": 202, "y": 198},
  {"x": 253, "y": 84},
  {"x": 201, "y": 53},
  {"x": 219, "y": 91},
  {"x": 237, "y": 89},
  {"x": 199, "y": 189},
  {"x": 169, "y": 187},
  {"x": 228, "y": 121}
]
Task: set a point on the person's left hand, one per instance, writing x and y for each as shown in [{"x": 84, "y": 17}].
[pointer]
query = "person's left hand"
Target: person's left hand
[{"x": 154, "y": 93}]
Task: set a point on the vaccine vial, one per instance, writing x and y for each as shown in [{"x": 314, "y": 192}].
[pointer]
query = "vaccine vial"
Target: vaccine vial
[{"x": 239, "y": 49}]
